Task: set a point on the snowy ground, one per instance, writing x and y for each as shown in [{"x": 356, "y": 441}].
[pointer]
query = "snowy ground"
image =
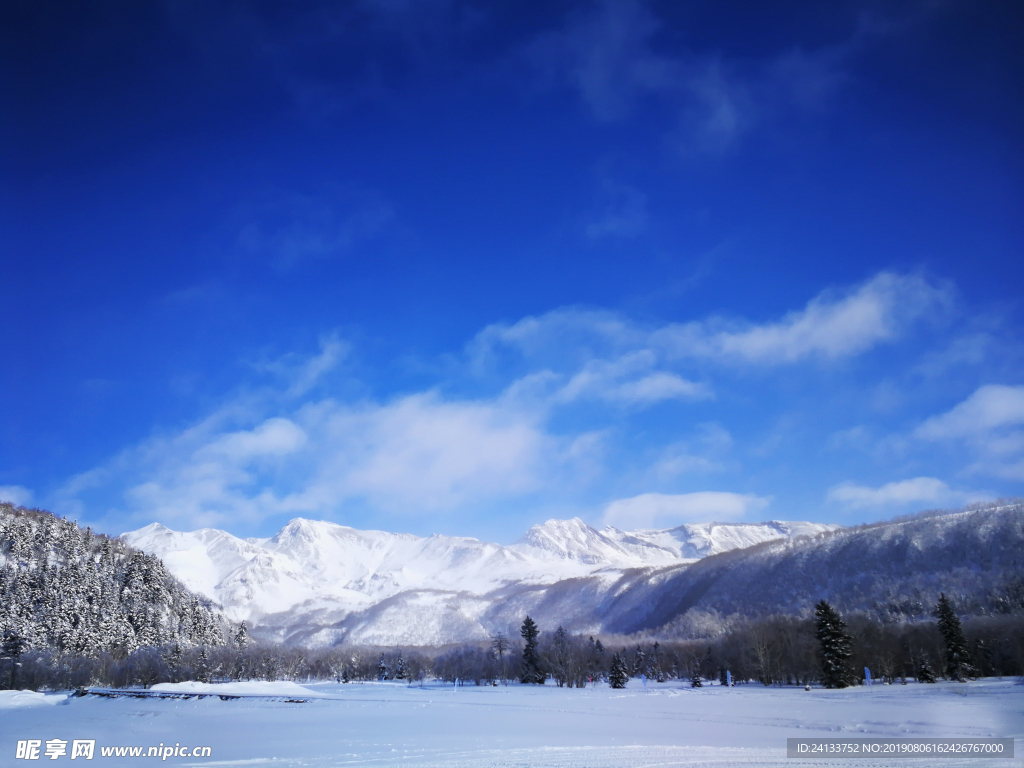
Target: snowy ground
[{"x": 392, "y": 725}]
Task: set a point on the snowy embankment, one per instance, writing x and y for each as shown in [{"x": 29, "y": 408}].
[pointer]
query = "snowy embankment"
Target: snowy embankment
[
  {"x": 499, "y": 727},
  {"x": 15, "y": 699},
  {"x": 247, "y": 688}
]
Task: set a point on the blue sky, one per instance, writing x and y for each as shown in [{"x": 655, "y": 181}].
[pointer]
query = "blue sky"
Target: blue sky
[{"x": 461, "y": 267}]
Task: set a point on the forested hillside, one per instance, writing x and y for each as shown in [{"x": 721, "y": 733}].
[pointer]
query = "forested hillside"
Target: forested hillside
[
  {"x": 66, "y": 589},
  {"x": 892, "y": 571}
]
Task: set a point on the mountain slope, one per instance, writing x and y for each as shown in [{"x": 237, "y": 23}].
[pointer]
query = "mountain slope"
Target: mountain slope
[{"x": 894, "y": 570}]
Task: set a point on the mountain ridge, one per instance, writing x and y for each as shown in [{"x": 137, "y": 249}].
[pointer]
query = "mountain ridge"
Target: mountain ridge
[{"x": 320, "y": 582}]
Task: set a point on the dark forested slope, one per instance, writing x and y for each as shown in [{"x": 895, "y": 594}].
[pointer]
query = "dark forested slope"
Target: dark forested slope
[
  {"x": 65, "y": 588},
  {"x": 894, "y": 571}
]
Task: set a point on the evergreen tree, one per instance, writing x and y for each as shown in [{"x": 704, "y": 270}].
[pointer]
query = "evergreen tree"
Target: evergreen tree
[
  {"x": 923, "y": 670},
  {"x": 595, "y": 660},
  {"x": 382, "y": 668},
  {"x": 983, "y": 656},
  {"x": 10, "y": 651},
  {"x": 203, "y": 666},
  {"x": 530, "y": 671},
  {"x": 958, "y": 660},
  {"x": 242, "y": 637},
  {"x": 499, "y": 647},
  {"x": 696, "y": 681},
  {"x": 639, "y": 661},
  {"x": 835, "y": 641},
  {"x": 618, "y": 677}
]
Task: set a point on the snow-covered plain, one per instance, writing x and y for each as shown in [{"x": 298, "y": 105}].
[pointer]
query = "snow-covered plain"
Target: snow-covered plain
[{"x": 501, "y": 727}]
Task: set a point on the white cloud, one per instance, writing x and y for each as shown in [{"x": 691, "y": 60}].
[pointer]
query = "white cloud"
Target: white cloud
[
  {"x": 421, "y": 453},
  {"x": 415, "y": 454},
  {"x": 659, "y": 510},
  {"x": 630, "y": 380},
  {"x": 829, "y": 327},
  {"x": 989, "y": 408},
  {"x": 990, "y": 423},
  {"x": 18, "y": 495},
  {"x": 918, "y": 490},
  {"x": 704, "y": 452}
]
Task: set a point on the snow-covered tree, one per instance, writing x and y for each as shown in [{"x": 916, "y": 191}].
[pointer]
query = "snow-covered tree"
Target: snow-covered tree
[
  {"x": 835, "y": 641},
  {"x": 530, "y": 671},
  {"x": 68, "y": 590},
  {"x": 958, "y": 660},
  {"x": 618, "y": 676},
  {"x": 923, "y": 670}
]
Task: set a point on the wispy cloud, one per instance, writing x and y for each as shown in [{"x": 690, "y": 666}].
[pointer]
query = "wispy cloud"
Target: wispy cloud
[
  {"x": 303, "y": 372},
  {"x": 612, "y": 56},
  {"x": 918, "y": 490},
  {"x": 16, "y": 494},
  {"x": 286, "y": 227},
  {"x": 990, "y": 408},
  {"x": 991, "y": 422},
  {"x": 659, "y": 510},
  {"x": 631, "y": 380},
  {"x": 623, "y": 212},
  {"x": 833, "y": 325},
  {"x": 704, "y": 452}
]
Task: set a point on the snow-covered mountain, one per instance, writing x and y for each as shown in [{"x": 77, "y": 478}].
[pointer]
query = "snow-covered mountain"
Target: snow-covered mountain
[{"x": 319, "y": 582}]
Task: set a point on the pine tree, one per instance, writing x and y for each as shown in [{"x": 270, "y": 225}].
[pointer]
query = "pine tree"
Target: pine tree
[
  {"x": 696, "y": 681},
  {"x": 836, "y": 653},
  {"x": 242, "y": 637},
  {"x": 923, "y": 671},
  {"x": 203, "y": 666},
  {"x": 10, "y": 650},
  {"x": 618, "y": 677},
  {"x": 499, "y": 647},
  {"x": 530, "y": 671},
  {"x": 958, "y": 660},
  {"x": 983, "y": 656},
  {"x": 382, "y": 668}
]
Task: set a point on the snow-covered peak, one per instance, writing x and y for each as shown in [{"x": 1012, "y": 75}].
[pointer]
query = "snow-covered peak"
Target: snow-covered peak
[
  {"x": 693, "y": 541},
  {"x": 566, "y": 539}
]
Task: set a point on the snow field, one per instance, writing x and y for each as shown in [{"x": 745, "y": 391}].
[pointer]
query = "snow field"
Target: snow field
[{"x": 502, "y": 727}]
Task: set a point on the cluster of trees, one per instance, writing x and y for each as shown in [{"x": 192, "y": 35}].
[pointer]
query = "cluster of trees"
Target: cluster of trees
[
  {"x": 85, "y": 601},
  {"x": 826, "y": 648},
  {"x": 777, "y": 650},
  {"x": 65, "y": 588},
  {"x": 780, "y": 650}
]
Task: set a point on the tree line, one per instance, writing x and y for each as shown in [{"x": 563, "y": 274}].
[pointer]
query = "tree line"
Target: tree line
[{"x": 79, "y": 609}]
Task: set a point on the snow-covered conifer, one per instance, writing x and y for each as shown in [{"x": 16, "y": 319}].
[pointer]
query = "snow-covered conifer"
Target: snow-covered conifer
[
  {"x": 835, "y": 641},
  {"x": 617, "y": 676},
  {"x": 958, "y": 660},
  {"x": 242, "y": 637},
  {"x": 531, "y": 671}
]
